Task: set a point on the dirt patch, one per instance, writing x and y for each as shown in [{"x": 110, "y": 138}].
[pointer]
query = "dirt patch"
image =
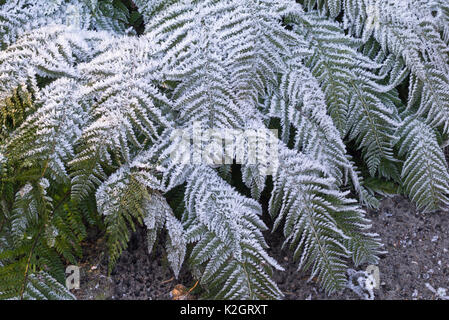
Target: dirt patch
[
  {"x": 138, "y": 275},
  {"x": 415, "y": 266},
  {"x": 417, "y": 253}
]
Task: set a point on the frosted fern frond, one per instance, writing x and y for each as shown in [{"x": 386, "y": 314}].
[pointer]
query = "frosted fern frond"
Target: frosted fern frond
[
  {"x": 321, "y": 223},
  {"x": 50, "y": 52},
  {"x": 203, "y": 68},
  {"x": 150, "y": 8},
  {"x": 23, "y": 214},
  {"x": 425, "y": 172},
  {"x": 415, "y": 31},
  {"x": 157, "y": 213},
  {"x": 337, "y": 64},
  {"x": 442, "y": 13},
  {"x": 256, "y": 44},
  {"x": 121, "y": 199},
  {"x": 313, "y": 234},
  {"x": 49, "y": 134},
  {"x": 124, "y": 80},
  {"x": 21, "y": 16},
  {"x": 109, "y": 15},
  {"x": 227, "y": 51},
  {"x": 205, "y": 71},
  {"x": 254, "y": 148},
  {"x": 431, "y": 97},
  {"x": 363, "y": 16},
  {"x": 329, "y": 7},
  {"x": 352, "y": 95},
  {"x": 417, "y": 40},
  {"x": 300, "y": 103},
  {"x": 133, "y": 114},
  {"x": 42, "y": 286},
  {"x": 166, "y": 164},
  {"x": 229, "y": 245},
  {"x": 257, "y": 152}
]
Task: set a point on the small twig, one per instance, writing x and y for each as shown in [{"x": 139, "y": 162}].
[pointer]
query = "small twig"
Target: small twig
[
  {"x": 167, "y": 281},
  {"x": 191, "y": 289}
]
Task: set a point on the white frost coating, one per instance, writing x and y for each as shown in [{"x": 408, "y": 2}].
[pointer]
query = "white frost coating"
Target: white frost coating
[
  {"x": 176, "y": 243},
  {"x": 157, "y": 214},
  {"x": 361, "y": 283},
  {"x": 101, "y": 106},
  {"x": 112, "y": 199},
  {"x": 18, "y": 17},
  {"x": 3, "y": 159},
  {"x": 228, "y": 228}
]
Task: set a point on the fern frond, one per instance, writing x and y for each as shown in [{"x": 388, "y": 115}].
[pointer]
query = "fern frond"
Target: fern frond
[
  {"x": 321, "y": 223},
  {"x": 228, "y": 58},
  {"x": 18, "y": 17},
  {"x": 301, "y": 104},
  {"x": 353, "y": 97},
  {"x": 119, "y": 199},
  {"x": 227, "y": 232},
  {"x": 150, "y": 8},
  {"x": 30, "y": 267},
  {"x": 49, "y": 52},
  {"x": 158, "y": 214},
  {"x": 134, "y": 202},
  {"x": 51, "y": 132},
  {"x": 425, "y": 172},
  {"x": 42, "y": 286}
]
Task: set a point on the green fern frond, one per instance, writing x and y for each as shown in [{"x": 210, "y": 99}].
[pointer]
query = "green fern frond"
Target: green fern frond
[
  {"x": 229, "y": 246},
  {"x": 321, "y": 224},
  {"x": 30, "y": 264},
  {"x": 425, "y": 171}
]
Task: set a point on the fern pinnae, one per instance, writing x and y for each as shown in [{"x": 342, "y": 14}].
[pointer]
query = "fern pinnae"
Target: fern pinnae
[
  {"x": 425, "y": 172},
  {"x": 99, "y": 124},
  {"x": 312, "y": 209},
  {"x": 59, "y": 120},
  {"x": 244, "y": 246}
]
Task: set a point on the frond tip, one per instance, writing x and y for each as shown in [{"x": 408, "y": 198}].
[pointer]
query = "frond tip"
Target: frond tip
[
  {"x": 229, "y": 246},
  {"x": 322, "y": 226},
  {"x": 425, "y": 171}
]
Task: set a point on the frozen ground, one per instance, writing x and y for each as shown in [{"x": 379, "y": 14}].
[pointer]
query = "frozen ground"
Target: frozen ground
[{"x": 415, "y": 266}]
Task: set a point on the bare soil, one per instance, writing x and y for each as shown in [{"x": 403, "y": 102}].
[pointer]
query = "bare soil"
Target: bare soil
[{"x": 415, "y": 266}]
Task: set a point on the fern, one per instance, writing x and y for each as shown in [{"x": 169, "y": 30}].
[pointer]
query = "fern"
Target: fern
[
  {"x": 322, "y": 225},
  {"x": 425, "y": 172},
  {"x": 352, "y": 95},
  {"x": 226, "y": 228},
  {"x": 135, "y": 202},
  {"x": 100, "y": 126},
  {"x": 38, "y": 235},
  {"x": 21, "y": 16},
  {"x": 49, "y": 134}
]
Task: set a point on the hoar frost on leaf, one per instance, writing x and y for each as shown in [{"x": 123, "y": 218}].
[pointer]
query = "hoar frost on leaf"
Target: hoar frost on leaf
[
  {"x": 157, "y": 214},
  {"x": 91, "y": 108}
]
